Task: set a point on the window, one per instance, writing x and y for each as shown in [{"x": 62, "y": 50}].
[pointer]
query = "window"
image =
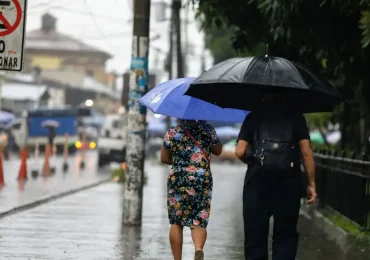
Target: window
[{"x": 17, "y": 126}]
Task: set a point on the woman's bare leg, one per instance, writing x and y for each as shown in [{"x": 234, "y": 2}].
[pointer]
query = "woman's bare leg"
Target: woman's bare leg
[
  {"x": 199, "y": 236},
  {"x": 176, "y": 232}
]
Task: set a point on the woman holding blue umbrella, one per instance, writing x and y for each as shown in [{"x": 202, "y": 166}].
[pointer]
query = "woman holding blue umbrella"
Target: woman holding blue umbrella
[{"x": 187, "y": 148}]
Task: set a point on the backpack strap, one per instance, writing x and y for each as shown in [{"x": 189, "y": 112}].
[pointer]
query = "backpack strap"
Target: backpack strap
[
  {"x": 258, "y": 151},
  {"x": 205, "y": 155}
]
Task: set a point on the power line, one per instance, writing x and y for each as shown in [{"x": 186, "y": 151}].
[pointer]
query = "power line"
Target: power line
[
  {"x": 44, "y": 4},
  {"x": 107, "y": 36},
  {"x": 76, "y": 11},
  {"x": 97, "y": 25}
]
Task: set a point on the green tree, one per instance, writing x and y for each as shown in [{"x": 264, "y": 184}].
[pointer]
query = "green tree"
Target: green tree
[
  {"x": 219, "y": 40},
  {"x": 331, "y": 37}
]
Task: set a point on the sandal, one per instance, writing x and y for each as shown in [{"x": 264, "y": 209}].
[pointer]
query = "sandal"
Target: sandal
[{"x": 199, "y": 255}]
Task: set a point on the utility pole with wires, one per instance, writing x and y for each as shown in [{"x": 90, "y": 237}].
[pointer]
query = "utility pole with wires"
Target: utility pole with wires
[
  {"x": 170, "y": 59},
  {"x": 186, "y": 38},
  {"x": 176, "y": 7},
  {"x": 136, "y": 115},
  {"x": 175, "y": 37}
]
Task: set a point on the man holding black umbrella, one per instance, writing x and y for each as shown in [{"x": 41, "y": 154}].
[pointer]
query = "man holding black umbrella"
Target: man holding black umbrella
[
  {"x": 272, "y": 140},
  {"x": 277, "y": 139}
]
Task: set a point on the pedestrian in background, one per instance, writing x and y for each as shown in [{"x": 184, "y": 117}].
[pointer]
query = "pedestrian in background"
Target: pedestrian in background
[
  {"x": 187, "y": 147},
  {"x": 272, "y": 141},
  {"x": 51, "y": 135}
]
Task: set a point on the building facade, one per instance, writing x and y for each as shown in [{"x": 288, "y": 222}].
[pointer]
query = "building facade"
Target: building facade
[
  {"x": 51, "y": 50},
  {"x": 73, "y": 70}
]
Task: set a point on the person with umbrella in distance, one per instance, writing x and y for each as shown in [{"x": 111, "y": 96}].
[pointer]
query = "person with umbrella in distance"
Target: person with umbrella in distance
[
  {"x": 51, "y": 125},
  {"x": 273, "y": 139}
]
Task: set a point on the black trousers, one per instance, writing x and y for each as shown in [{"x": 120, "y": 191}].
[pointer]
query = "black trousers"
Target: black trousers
[{"x": 265, "y": 195}]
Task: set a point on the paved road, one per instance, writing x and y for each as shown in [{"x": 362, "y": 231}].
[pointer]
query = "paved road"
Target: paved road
[
  {"x": 15, "y": 194},
  {"x": 87, "y": 225}
]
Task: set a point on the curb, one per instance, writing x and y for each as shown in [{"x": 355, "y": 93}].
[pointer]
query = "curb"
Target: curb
[
  {"x": 341, "y": 237},
  {"x": 50, "y": 198}
]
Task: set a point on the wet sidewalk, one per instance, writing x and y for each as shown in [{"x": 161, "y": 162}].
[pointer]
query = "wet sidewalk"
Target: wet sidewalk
[
  {"x": 15, "y": 194},
  {"x": 87, "y": 225}
]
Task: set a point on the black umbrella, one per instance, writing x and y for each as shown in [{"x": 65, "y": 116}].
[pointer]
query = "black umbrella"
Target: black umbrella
[{"x": 243, "y": 82}]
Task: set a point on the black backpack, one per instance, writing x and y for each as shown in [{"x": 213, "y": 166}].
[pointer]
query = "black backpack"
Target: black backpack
[{"x": 274, "y": 146}]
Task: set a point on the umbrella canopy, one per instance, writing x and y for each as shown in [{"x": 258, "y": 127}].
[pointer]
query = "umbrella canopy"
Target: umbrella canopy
[
  {"x": 50, "y": 123},
  {"x": 242, "y": 83},
  {"x": 168, "y": 99},
  {"x": 316, "y": 137},
  {"x": 6, "y": 117}
]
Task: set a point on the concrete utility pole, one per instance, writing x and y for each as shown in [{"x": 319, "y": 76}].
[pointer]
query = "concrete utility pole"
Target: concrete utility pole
[
  {"x": 170, "y": 60},
  {"x": 175, "y": 36},
  {"x": 176, "y": 7},
  {"x": 136, "y": 115}
]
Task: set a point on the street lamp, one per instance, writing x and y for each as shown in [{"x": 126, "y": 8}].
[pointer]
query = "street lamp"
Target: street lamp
[{"x": 89, "y": 103}]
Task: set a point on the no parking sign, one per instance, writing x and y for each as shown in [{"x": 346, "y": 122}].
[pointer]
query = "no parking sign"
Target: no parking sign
[{"x": 12, "y": 31}]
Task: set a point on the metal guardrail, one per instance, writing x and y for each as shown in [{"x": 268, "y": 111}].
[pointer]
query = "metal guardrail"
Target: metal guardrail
[{"x": 343, "y": 184}]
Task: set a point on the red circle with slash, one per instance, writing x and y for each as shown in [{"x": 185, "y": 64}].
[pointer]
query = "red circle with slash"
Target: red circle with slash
[{"x": 11, "y": 28}]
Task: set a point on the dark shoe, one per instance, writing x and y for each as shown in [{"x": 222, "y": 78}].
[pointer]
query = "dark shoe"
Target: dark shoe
[{"x": 199, "y": 255}]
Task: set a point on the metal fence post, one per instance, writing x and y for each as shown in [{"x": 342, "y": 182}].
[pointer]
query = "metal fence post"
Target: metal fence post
[{"x": 365, "y": 182}]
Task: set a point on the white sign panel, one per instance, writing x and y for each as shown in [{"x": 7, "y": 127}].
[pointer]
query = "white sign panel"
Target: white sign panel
[{"x": 12, "y": 31}]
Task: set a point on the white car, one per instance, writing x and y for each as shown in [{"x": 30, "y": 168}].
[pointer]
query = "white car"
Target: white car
[{"x": 111, "y": 142}]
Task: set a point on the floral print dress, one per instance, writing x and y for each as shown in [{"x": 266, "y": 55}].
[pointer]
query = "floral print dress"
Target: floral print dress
[{"x": 190, "y": 181}]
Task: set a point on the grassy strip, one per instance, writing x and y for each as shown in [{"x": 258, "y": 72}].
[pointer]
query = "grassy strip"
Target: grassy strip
[
  {"x": 348, "y": 226},
  {"x": 118, "y": 175}
]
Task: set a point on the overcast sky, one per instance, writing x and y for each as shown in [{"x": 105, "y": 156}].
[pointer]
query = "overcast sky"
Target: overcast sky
[{"x": 107, "y": 26}]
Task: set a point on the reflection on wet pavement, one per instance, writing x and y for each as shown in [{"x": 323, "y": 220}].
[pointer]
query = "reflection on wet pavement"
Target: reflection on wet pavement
[
  {"x": 87, "y": 225},
  {"x": 15, "y": 194}
]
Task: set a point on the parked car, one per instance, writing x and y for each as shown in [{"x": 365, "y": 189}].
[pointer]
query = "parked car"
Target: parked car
[{"x": 111, "y": 143}]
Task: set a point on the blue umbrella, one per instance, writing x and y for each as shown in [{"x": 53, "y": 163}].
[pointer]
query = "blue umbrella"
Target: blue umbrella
[
  {"x": 6, "y": 117},
  {"x": 168, "y": 99}
]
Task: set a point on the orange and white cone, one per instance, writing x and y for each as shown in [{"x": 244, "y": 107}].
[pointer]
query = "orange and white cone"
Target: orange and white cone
[
  {"x": 22, "y": 176},
  {"x": 46, "y": 170}
]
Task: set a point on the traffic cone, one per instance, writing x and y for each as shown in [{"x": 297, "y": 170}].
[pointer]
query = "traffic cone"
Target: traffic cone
[
  {"x": 1, "y": 170},
  {"x": 46, "y": 171},
  {"x": 23, "y": 169},
  {"x": 65, "y": 153}
]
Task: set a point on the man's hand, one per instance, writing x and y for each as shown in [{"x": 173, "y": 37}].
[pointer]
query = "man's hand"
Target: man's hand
[{"x": 311, "y": 194}]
